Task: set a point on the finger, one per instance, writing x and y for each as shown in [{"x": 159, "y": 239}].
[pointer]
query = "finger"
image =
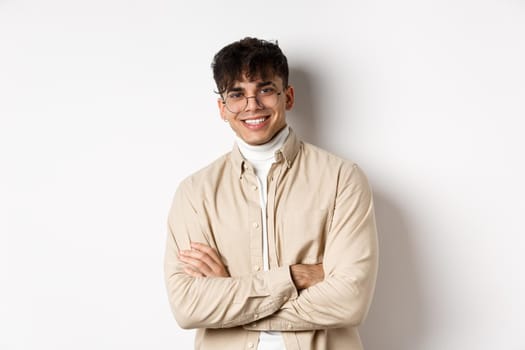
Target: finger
[
  {"x": 209, "y": 256},
  {"x": 215, "y": 263},
  {"x": 196, "y": 264},
  {"x": 213, "y": 268},
  {"x": 200, "y": 255},
  {"x": 208, "y": 250},
  {"x": 193, "y": 273}
]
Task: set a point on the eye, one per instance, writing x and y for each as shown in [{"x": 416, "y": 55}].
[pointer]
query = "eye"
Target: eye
[
  {"x": 267, "y": 91},
  {"x": 235, "y": 95}
]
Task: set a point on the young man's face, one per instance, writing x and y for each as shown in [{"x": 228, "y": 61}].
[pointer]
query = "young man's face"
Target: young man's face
[{"x": 259, "y": 120}]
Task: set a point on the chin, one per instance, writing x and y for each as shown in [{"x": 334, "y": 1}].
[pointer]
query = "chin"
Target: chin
[
  {"x": 255, "y": 139},
  {"x": 255, "y": 142}
]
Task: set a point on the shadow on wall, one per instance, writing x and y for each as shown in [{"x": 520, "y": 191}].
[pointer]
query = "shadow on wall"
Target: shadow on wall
[
  {"x": 304, "y": 116},
  {"x": 396, "y": 320}
]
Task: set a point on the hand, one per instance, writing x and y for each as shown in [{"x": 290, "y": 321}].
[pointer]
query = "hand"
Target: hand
[
  {"x": 305, "y": 276},
  {"x": 202, "y": 261}
]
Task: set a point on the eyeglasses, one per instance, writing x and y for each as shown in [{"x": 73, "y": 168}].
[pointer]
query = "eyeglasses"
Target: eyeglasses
[{"x": 236, "y": 101}]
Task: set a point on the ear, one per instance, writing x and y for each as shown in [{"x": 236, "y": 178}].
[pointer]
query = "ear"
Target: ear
[
  {"x": 222, "y": 109},
  {"x": 290, "y": 97}
]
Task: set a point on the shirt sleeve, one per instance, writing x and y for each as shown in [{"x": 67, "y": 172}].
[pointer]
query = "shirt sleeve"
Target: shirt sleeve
[
  {"x": 216, "y": 302},
  {"x": 350, "y": 265}
]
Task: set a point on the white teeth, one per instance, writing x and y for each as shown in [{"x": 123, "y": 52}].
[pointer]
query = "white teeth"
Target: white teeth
[{"x": 255, "y": 121}]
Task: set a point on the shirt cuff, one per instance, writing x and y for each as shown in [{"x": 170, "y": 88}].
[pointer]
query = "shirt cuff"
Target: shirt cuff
[{"x": 280, "y": 281}]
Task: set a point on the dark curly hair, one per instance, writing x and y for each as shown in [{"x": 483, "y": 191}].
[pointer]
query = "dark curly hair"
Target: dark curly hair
[{"x": 250, "y": 57}]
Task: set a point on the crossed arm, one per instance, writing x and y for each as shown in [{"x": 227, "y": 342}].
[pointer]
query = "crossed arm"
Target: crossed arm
[
  {"x": 334, "y": 294},
  {"x": 203, "y": 261}
]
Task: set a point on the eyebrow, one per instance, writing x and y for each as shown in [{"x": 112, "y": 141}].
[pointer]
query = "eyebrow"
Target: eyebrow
[
  {"x": 264, "y": 83},
  {"x": 258, "y": 85}
]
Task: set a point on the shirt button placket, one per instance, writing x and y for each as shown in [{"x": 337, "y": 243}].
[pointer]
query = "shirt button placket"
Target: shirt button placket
[{"x": 253, "y": 188}]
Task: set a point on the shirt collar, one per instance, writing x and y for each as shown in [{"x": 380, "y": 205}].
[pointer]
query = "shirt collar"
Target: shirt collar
[{"x": 286, "y": 153}]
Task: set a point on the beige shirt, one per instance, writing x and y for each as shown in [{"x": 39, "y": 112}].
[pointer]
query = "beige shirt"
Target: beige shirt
[{"x": 319, "y": 209}]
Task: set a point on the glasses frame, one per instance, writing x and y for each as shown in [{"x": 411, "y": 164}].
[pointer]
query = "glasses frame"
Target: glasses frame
[{"x": 246, "y": 102}]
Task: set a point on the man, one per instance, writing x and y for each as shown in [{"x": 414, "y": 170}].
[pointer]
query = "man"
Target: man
[{"x": 273, "y": 245}]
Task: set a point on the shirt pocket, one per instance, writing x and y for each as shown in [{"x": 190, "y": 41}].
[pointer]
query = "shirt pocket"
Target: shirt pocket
[{"x": 304, "y": 235}]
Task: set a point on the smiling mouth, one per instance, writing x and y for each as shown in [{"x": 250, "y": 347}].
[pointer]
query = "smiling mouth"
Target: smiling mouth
[{"x": 256, "y": 121}]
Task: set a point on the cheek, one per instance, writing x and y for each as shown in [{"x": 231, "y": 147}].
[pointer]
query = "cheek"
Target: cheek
[{"x": 281, "y": 112}]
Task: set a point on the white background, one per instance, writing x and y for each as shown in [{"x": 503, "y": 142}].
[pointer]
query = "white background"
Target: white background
[{"x": 105, "y": 105}]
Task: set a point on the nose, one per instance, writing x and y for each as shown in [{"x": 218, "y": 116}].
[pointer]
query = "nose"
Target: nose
[{"x": 256, "y": 104}]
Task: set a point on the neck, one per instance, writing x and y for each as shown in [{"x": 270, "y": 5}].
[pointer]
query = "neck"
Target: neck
[{"x": 265, "y": 151}]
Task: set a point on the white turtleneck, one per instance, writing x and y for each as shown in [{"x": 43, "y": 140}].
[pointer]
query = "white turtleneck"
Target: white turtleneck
[{"x": 261, "y": 157}]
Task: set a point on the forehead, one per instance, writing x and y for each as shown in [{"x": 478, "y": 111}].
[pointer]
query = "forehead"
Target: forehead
[{"x": 254, "y": 82}]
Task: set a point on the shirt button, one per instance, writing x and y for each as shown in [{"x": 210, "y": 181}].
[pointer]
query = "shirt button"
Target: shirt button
[
  {"x": 256, "y": 268},
  {"x": 256, "y": 224},
  {"x": 289, "y": 326},
  {"x": 250, "y": 345},
  {"x": 254, "y": 187},
  {"x": 254, "y": 325},
  {"x": 256, "y": 316}
]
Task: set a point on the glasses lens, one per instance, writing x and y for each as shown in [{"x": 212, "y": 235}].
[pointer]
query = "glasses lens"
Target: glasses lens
[
  {"x": 236, "y": 102},
  {"x": 269, "y": 99}
]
